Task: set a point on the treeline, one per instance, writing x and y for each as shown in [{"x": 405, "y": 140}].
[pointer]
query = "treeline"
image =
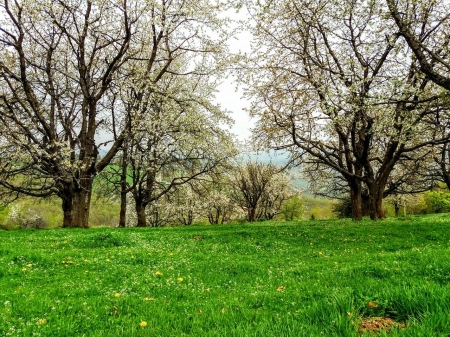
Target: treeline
[
  {"x": 356, "y": 92},
  {"x": 255, "y": 192}
]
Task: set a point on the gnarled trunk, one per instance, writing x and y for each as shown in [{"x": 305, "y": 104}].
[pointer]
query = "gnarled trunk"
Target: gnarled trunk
[
  {"x": 355, "y": 197},
  {"x": 251, "y": 214},
  {"x": 76, "y": 200},
  {"x": 141, "y": 217},
  {"x": 376, "y": 200}
]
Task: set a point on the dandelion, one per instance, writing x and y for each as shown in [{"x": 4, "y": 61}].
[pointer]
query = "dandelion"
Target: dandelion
[
  {"x": 143, "y": 324},
  {"x": 107, "y": 260},
  {"x": 117, "y": 295},
  {"x": 86, "y": 271},
  {"x": 158, "y": 273},
  {"x": 42, "y": 321},
  {"x": 149, "y": 299},
  {"x": 24, "y": 269},
  {"x": 180, "y": 279},
  {"x": 320, "y": 253},
  {"x": 29, "y": 265},
  {"x": 372, "y": 304},
  {"x": 85, "y": 260}
]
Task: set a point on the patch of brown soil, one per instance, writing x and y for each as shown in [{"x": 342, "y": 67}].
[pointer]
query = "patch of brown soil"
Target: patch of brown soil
[{"x": 376, "y": 324}]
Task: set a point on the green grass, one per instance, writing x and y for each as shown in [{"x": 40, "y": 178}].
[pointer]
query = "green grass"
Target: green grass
[{"x": 266, "y": 279}]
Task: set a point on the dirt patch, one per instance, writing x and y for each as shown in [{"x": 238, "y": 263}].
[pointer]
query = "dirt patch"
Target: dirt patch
[{"x": 377, "y": 324}]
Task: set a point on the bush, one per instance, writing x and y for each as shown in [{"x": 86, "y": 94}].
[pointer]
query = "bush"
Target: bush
[
  {"x": 437, "y": 201},
  {"x": 343, "y": 208},
  {"x": 292, "y": 208},
  {"x": 21, "y": 217}
]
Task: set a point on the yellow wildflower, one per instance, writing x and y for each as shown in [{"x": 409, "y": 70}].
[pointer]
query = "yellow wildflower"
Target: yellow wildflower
[
  {"x": 180, "y": 279},
  {"x": 143, "y": 324},
  {"x": 158, "y": 273},
  {"x": 42, "y": 321},
  {"x": 29, "y": 265},
  {"x": 24, "y": 269},
  {"x": 116, "y": 295}
]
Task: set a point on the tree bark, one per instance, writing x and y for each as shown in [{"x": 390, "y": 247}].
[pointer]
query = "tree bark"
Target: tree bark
[
  {"x": 67, "y": 207},
  {"x": 396, "y": 207},
  {"x": 356, "y": 199},
  {"x": 141, "y": 217},
  {"x": 81, "y": 206},
  {"x": 123, "y": 189},
  {"x": 76, "y": 202},
  {"x": 251, "y": 214},
  {"x": 376, "y": 200}
]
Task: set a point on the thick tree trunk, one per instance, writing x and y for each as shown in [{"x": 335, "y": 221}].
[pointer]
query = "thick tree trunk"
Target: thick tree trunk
[
  {"x": 376, "y": 200},
  {"x": 76, "y": 202},
  {"x": 81, "y": 205},
  {"x": 355, "y": 197},
  {"x": 251, "y": 214},
  {"x": 141, "y": 217},
  {"x": 67, "y": 207},
  {"x": 365, "y": 204}
]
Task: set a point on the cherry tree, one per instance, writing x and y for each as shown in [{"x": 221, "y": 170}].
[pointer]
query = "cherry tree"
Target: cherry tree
[
  {"x": 332, "y": 83},
  {"x": 64, "y": 66}
]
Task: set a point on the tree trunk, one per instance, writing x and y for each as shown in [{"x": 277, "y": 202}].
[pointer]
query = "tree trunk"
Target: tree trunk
[
  {"x": 251, "y": 213},
  {"x": 123, "y": 209},
  {"x": 365, "y": 204},
  {"x": 123, "y": 190},
  {"x": 355, "y": 196},
  {"x": 376, "y": 200},
  {"x": 67, "y": 207},
  {"x": 81, "y": 205},
  {"x": 76, "y": 202},
  {"x": 396, "y": 207},
  {"x": 141, "y": 217}
]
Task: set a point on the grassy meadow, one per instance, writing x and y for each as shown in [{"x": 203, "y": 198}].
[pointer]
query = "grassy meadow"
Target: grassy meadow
[{"x": 307, "y": 278}]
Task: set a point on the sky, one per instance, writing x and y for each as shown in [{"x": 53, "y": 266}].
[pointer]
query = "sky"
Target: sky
[{"x": 230, "y": 97}]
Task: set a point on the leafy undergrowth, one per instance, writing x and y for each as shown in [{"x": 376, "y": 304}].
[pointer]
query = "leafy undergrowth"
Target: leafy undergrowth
[{"x": 316, "y": 278}]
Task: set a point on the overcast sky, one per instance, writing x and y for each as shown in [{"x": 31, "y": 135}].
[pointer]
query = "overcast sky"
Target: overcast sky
[{"x": 228, "y": 97}]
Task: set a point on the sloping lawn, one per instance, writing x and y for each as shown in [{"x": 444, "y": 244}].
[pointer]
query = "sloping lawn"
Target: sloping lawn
[{"x": 311, "y": 278}]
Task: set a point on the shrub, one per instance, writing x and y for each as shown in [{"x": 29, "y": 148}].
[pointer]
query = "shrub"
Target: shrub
[
  {"x": 343, "y": 208},
  {"x": 437, "y": 201},
  {"x": 22, "y": 217},
  {"x": 292, "y": 208}
]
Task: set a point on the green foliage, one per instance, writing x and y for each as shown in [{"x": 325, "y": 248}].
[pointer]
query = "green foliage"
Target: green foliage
[
  {"x": 437, "y": 201},
  {"x": 343, "y": 208},
  {"x": 292, "y": 208},
  {"x": 292, "y": 278}
]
